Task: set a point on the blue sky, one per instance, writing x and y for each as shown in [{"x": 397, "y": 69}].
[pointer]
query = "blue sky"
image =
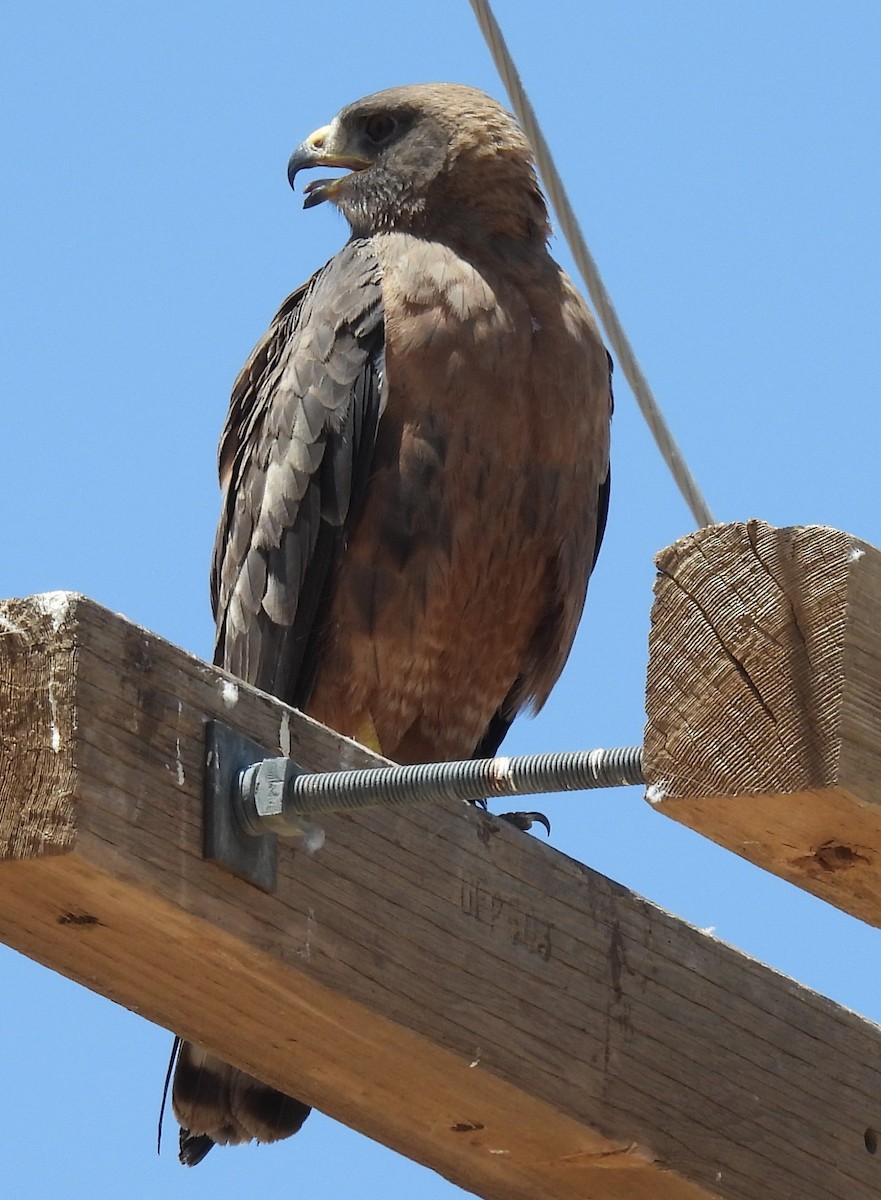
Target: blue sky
[{"x": 724, "y": 159}]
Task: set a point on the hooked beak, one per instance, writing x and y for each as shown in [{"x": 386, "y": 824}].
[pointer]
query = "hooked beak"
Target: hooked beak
[{"x": 319, "y": 150}]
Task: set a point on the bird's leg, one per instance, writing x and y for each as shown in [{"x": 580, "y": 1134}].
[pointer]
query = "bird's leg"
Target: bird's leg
[{"x": 366, "y": 734}]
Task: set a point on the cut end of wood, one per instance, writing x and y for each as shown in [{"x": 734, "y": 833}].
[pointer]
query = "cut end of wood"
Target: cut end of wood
[
  {"x": 764, "y": 702},
  {"x": 746, "y": 660},
  {"x": 37, "y": 720}
]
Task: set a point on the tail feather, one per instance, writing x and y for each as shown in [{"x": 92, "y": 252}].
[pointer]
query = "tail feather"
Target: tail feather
[
  {"x": 193, "y": 1147},
  {"x": 218, "y": 1104}
]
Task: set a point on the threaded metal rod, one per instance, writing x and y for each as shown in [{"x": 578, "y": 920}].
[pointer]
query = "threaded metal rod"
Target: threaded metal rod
[{"x": 276, "y": 792}]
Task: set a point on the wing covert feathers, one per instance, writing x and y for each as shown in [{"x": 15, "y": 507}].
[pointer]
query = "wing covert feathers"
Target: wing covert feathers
[{"x": 294, "y": 458}]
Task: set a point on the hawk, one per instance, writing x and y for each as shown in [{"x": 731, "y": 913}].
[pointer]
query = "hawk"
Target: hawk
[{"x": 415, "y": 472}]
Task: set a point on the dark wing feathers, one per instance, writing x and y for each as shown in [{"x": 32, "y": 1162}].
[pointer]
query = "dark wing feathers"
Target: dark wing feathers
[
  {"x": 295, "y": 456},
  {"x": 605, "y": 491}
]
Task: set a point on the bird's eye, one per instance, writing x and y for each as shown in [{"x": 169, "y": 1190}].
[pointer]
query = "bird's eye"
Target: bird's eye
[{"x": 379, "y": 128}]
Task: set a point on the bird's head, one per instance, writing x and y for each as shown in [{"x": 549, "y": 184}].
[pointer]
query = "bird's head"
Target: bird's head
[{"x": 424, "y": 159}]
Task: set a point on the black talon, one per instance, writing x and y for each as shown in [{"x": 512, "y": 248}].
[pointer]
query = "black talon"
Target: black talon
[
  {"x": 525, "y": 820},
  {"x": 520, "y": 820}
]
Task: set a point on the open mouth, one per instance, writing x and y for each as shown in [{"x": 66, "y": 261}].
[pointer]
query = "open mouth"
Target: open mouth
[
  {"x": 308, "y": 156},
  {"x": 320, "y": 190}
]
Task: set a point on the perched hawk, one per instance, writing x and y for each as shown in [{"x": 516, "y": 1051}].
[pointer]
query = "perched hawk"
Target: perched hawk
[{"x": 415, "y": 472}]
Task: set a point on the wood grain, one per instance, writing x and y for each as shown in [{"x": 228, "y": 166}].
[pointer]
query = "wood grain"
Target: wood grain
[
  {"x": 763, "y": 702},
  {"x": 452, "y": 988}
]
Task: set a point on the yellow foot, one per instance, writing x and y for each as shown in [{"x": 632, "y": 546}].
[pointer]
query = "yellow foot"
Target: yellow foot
[{"x": 366, "y": 734}]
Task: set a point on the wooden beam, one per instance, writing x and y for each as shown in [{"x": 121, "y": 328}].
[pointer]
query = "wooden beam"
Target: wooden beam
[
  {"x": 449, "y": 986},
  {"x": 764, "y": 702}
]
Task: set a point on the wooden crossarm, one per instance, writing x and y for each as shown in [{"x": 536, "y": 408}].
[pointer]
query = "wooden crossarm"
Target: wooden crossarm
[{"x": 453, "y": 988}]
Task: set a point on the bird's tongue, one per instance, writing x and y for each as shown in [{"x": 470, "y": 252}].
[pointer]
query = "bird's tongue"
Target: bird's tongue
[{"x": 318, "y": 191}]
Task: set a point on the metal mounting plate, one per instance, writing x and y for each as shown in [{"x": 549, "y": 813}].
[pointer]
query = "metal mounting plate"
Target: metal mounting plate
[{"x": 227, "y": 754}]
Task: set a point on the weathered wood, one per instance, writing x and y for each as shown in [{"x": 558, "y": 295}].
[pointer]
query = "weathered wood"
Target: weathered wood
[
  {"x": 764, "y": 702},
  {"x": 452, "y": 988}
]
